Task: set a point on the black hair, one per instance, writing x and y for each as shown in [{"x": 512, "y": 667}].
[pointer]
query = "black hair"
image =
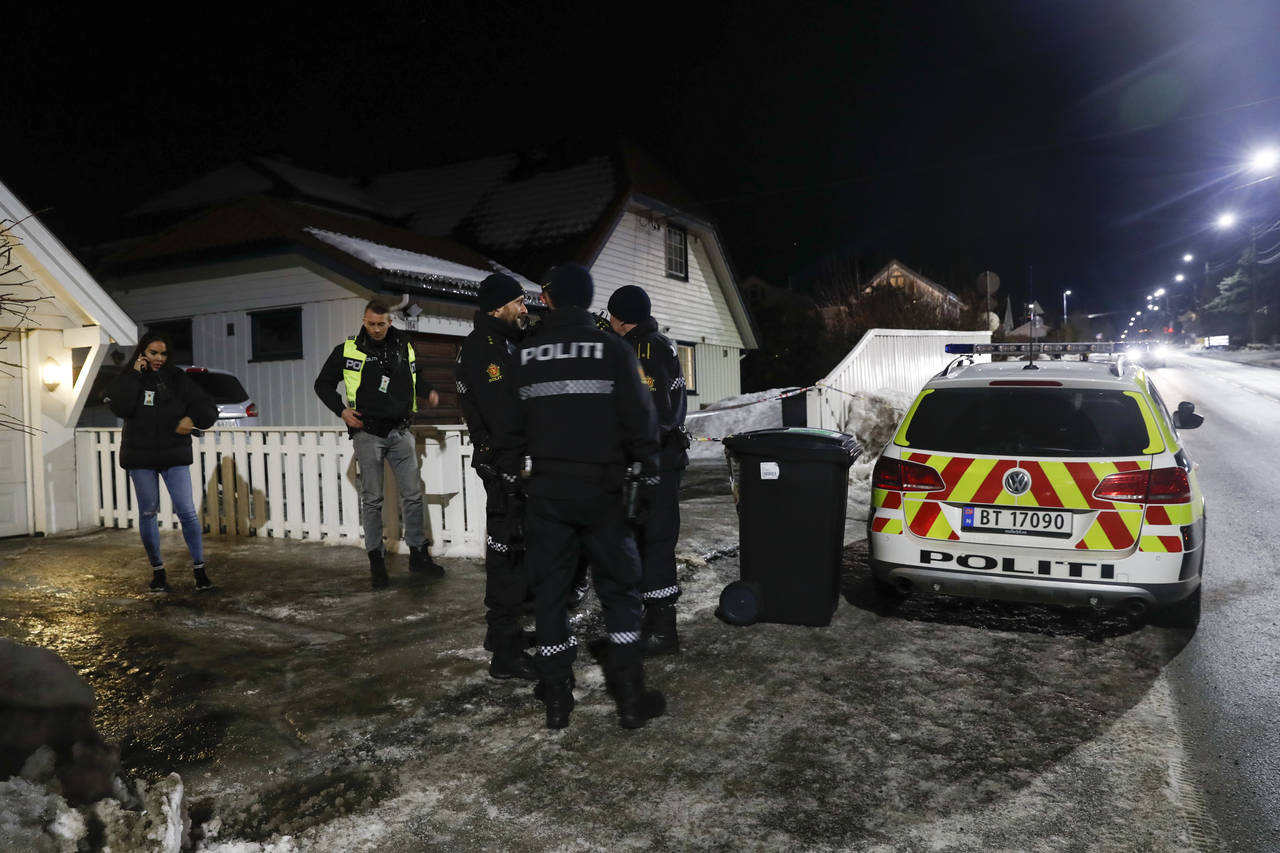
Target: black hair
[
  {"x": 377, "y": 306},
  {"x": 148, "y": 338}
]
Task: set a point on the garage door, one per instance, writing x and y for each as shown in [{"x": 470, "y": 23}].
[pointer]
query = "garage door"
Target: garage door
[{"x": 13, "y": 446}]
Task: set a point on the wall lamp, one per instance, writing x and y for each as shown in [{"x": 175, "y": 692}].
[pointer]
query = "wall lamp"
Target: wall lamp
[{"x": 51, "y": 374}]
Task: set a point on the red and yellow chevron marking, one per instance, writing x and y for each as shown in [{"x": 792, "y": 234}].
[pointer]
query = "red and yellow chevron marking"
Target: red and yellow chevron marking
[
  {"x": 1111, "y": 531},
  {"x": 1169, "y": 514},
  {"x": 1161, "y": 544},
  {"x": 884, "y": 524},
  {"x": 925, "y": 518},
  {"x": 883, "y": 498}
]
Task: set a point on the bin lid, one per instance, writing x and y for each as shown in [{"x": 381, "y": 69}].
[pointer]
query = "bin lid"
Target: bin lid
[{"x": 796, "y": 443}]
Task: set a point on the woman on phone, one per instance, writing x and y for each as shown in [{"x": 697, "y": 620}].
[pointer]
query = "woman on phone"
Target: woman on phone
[{"x": 161, "y": 407}]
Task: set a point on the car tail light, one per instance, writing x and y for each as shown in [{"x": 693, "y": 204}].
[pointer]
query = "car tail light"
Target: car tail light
[
  {"x": 251, "y": 411},
  {"x": 899, "y": 475},
  {"x": 1161, "y": 486},
  {"x": 197, "y": 370}
]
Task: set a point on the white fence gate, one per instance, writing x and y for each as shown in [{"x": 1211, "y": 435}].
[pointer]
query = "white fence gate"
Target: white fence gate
[
  {"x": 296, "y": 483},
  {"x": 893, "y": 359}
]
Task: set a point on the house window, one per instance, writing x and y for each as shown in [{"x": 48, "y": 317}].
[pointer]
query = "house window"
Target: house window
[
  {"x": 677, "y": 252},
  {"x": 277, "y": 335},
  {"x": 687, "y": 364},
  {"x": 179, "y": 334}
]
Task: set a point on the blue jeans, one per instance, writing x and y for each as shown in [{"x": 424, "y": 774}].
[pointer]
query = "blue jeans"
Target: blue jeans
[{"x": 146, "y": 489}]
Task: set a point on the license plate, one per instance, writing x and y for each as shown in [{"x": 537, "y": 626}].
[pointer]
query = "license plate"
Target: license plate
[{"x": 1022, "y": 522}]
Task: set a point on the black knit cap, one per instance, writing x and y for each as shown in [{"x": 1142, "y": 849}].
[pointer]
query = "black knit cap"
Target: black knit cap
[
  {"x": 569, "y": 286},
  {"x": 497, "y": 290},
  {"x": 630, "y": 304}
]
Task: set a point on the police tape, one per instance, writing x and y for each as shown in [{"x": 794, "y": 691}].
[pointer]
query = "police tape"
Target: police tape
[{"x": 785, "y": 394}]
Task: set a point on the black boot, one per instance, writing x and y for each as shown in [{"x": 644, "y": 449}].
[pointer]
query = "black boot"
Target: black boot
[
  {"x": 377, "y": 569},
  {"x": 420, "y": 562},
  {"x": 658, "y": 631},
  {"x": 636, "y": 705},
  {"x": 158, "y": 582},
  {"x": 558, "y": 698},
  {"x": 510, "y": 660}
]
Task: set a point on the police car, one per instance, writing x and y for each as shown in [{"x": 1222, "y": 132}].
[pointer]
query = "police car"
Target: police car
[{"x": 1045, "y": 480}]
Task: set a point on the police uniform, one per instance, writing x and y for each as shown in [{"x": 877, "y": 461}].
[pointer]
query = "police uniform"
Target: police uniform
[
  {"x": 380, "y": 381},
  {"x": 483, "y": 371},
  {"x": 583, "y": 415},
  {"x": 656, "y": 537}
]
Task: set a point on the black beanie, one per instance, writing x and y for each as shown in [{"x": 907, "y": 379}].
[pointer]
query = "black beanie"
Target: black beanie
[
  {"x": 497, "y": 290},
  {"x": 570, "y": 286},
  {"x": 630, "y": 304}
]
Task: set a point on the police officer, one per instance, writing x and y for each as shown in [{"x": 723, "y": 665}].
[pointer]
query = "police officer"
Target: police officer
[
  {"x": 582, "y": 416},
  {"x": 378, "y": 372},
  {"x": 629, "y": 314},
  {"x": 483, "y": 371}
]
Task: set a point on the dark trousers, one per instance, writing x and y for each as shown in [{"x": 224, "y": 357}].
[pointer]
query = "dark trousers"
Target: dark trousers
[
  {"x": 556, "y": 529},
  {"x": 657, "y": 541},
  {"x": 505, "y": 582}
]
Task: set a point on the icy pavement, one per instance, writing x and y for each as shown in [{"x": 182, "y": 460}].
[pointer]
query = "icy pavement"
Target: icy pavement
[{"x": 304, "y": 712}]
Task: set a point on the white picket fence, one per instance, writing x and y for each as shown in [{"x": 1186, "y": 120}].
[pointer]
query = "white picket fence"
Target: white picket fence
[{"x": 295, "y": 483}]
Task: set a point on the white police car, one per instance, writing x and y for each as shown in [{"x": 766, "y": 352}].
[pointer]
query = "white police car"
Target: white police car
[{"x": 1041, "y": 480}]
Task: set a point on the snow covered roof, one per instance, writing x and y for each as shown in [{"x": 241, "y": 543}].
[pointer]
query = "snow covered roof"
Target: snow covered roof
[{"x": 415, "y": 265}]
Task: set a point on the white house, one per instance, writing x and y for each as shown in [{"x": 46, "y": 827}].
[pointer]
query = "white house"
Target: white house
[
  {"x": 56, "y": 328},
  {"x": 261, "y": 268}
]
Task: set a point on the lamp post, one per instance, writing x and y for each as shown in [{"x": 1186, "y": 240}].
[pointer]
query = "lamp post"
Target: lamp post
[
  {"x": 1065, "y": 294},
  {"x": 1226, "y": 221}
]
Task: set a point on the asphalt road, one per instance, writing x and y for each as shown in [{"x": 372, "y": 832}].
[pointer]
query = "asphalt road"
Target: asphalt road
[{"x": 1225, "y": 682}]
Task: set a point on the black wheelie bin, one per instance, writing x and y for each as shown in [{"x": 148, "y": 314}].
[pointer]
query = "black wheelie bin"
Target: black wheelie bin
[{"x": 791, "y": 487}]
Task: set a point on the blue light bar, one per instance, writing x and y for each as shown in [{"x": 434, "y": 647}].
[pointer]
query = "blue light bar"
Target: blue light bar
[{"x": 960, "y": 349}]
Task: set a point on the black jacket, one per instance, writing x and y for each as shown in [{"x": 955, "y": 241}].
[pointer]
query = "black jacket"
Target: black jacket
[
  {"x": 579, "y": 402},
  {"x": 665, "y": 378},
  {"x": 151, "y": 404},
  {"x": 380, "y": 410},
  {"x": 483, "y": 373}
]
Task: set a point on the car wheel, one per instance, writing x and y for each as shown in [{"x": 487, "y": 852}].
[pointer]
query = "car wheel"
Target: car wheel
[{"x": 1181, "y": 614}]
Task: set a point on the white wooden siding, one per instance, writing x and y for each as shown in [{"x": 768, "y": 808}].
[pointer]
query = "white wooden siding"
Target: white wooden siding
[
  {"x": 210, "y": 293},
  {"x": 282, "y": 390},
  {"x": 695, "y": 309}
]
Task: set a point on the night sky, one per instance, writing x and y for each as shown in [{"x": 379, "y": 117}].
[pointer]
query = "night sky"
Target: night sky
[{"x": 1084, "y": 144}]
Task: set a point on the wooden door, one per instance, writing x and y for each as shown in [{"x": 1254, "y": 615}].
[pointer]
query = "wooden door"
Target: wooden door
[{"x": 437, "y": 359}]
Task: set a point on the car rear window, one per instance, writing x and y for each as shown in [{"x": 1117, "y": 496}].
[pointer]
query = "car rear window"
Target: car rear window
[
  {"x": 222, "y": 387},
  {"x": 1029, "y": 422}
]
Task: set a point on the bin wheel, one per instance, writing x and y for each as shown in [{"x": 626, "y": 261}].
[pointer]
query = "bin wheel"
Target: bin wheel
[{"x": 740, "y": 603}]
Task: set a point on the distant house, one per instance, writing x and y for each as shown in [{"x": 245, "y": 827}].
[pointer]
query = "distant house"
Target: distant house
[
  {"x": 57, "y": 327},
  {"x": 260, "y": 268},
  {"x": 918, "y": 287}
]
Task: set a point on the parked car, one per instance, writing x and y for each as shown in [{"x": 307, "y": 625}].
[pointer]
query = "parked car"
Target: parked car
[
  {"x": 234, "y": 406},
  {"x": 1046, "y": 481}
]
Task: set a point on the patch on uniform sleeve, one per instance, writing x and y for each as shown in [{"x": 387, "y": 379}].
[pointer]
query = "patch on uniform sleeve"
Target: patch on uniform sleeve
[
  {"x": 495, "y": 372},
  {"x": 647, "y": 379}
]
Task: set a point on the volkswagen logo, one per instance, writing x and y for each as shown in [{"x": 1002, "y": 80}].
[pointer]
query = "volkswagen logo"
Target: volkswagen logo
[{"x": 1017, "y": 481}]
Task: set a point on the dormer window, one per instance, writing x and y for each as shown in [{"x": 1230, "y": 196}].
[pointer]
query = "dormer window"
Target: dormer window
[{"x": 677, "y": 252}]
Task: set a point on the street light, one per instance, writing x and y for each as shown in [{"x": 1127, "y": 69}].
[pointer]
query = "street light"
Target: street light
[
  {"x": 1265, "y": 160},
  {"x": 1188, "y": 258},
  {"x": 1065, "y": 294}
]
